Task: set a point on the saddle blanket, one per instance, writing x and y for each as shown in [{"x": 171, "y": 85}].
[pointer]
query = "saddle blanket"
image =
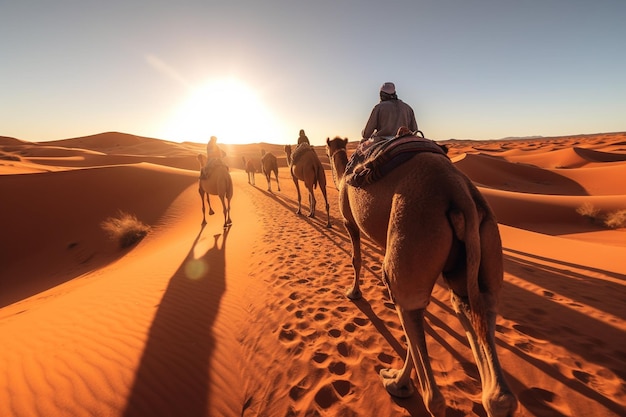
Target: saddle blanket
[
  {"x": 301, "y": 149},
  {"x": 373, "y": 159}
]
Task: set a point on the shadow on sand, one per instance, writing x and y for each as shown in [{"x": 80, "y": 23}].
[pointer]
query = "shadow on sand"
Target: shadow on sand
[{"x": 173, "y": 377}]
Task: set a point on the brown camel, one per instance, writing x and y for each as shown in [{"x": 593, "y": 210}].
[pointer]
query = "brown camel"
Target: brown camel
[
  {"x": 431, "y": 221},
  {"x": 250, "y": 170},
  {"x": 215, "y": 181},
  {"x": 269, "y": 165},
  {"x": 308, "y": 169}
]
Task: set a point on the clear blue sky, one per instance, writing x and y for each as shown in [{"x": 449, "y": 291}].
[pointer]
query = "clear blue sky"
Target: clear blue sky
[{"x": 252, "y": 71}]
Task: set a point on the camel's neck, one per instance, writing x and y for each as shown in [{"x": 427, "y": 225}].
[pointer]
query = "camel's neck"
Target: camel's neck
[{"x": 339, "y": 161}]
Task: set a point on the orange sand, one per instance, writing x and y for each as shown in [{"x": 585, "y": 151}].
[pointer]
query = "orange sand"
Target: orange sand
[{"x": 193, "y": 321}]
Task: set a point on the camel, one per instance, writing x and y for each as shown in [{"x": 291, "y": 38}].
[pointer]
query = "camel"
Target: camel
[
  {"x": 308, "y": 169},
  {"x": 250, "y": 170},
  {"x": 269, "y": 165},
  {"x": 431, "y": 221},
  {"x": 217, "y": 182}
]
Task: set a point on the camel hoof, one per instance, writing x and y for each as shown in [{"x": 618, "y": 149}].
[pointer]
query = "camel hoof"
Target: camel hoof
[
  {"x": 388, "y": 377},
  {"x": 354, "y": 294},
  {"x": 329, "y": 226},
  {"x": 503, "y": 405},
  {"x": 312, "y": 215},
  {"x": 211, "y": 212}
]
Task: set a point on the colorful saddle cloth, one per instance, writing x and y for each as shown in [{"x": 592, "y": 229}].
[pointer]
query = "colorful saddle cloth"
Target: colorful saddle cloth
[{"x": 373, "y": 159}]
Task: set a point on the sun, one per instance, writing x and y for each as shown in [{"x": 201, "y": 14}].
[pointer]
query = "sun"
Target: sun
[{"x": 226, "y": 108}]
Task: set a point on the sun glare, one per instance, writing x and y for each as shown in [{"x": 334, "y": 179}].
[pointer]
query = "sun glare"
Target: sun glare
[{"x": 228, "y": 109}]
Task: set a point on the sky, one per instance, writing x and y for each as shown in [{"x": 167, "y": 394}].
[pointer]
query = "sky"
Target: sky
[{"x": 259, "y": 71}]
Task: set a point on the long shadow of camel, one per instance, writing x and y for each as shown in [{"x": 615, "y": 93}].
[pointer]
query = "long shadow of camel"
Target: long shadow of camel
[{"x": 173, "y": 377}]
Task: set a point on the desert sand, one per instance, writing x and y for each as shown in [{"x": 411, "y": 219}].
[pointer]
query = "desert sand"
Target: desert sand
[{"x": 253, "y": 321}]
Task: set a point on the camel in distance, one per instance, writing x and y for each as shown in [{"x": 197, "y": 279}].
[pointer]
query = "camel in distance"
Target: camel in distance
[
  {"x": 269, "y": 164},
  {"x": 305, "y": 166},
  {"x": 431, "y": 221},
  {"x": 250, "y": 169},
  {"x": 215, "y": 180}
]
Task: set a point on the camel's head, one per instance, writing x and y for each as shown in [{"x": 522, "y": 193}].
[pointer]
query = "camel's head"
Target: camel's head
[{"x": 335, "y": 145}]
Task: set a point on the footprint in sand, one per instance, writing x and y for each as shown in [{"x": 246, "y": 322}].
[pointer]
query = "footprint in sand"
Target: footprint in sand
[
  {"x": 349, "y": 327},
  {"x": 384, "y": 358},
  {"x": 328, "y": 394},
  {"x": 337, "y": 368},
  {"x": 334, "y": 333},
  {"x": 359, "y": 321},
  {"x": 320, "y": 357},
  {"x": 583, "y": 377},
  {"x": 343, "y": 349}
]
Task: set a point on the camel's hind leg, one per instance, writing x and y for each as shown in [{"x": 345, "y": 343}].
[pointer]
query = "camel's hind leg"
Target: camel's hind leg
[
  {"x": 312, "y": 201},
  {"x": 269, "y": 182},
  {"x": 398, "y": 383},
  {"x": 226, "y": 209},
  {"x": 295, "y": 181},
  {"x": 328, "y": 224},
  {"x": 497, "y": 397},
  {"x": 276, "y": 175},
  {"x": 201, "y": 192}
]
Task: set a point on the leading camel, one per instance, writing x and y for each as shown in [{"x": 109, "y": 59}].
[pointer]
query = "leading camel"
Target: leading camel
[
  {"x": 216, "y": 181},
  {"x": 308, "y": 168},
  {"x": 431, "y": 221},
  {"x": 269, "y": 164}
]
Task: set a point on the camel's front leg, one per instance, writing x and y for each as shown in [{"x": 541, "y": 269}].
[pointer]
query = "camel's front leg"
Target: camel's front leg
[
  {"x": 498, "y": 399},
  {"x": 354, "y": 292},
  {"x": 397, "y": 382}
]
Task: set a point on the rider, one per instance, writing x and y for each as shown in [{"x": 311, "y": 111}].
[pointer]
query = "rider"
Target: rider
[
  {"x": 302, "y": 138},
  {"x": 389, "y": 115},
  {"x": 214, "y": 157}
]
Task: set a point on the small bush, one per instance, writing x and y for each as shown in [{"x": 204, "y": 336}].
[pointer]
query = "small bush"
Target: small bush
[
  {"x": 616, "y": 220},
  {"x": 126, "y": 229},
  {"x": 588, "y": 210}
]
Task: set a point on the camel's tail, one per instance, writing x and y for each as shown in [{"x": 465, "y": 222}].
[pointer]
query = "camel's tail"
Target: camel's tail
[{"x": 466, "y": 225}]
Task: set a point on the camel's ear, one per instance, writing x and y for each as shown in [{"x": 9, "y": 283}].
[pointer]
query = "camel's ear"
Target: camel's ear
[
  {"x": 345, "y": 141},
  {"x": 328, "y": 141}
]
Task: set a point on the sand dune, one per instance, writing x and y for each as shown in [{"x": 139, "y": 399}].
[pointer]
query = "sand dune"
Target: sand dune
[{"x": 196, "y": 321}]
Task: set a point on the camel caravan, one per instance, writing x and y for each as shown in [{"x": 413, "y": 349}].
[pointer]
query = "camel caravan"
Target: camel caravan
[{"x": 431, "y": 221}]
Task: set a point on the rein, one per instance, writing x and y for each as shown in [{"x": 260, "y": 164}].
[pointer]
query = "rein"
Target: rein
[{"x": 334, "y": 169}]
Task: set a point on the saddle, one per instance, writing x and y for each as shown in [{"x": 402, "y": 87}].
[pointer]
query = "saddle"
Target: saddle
[
  {"x": 209, "y": 167},
  {"x": 373, "y": 159},
  {"x": 300, "y": 150}
]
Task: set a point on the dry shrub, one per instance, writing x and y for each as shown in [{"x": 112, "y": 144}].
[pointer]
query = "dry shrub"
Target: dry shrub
[
  {"x": 616, "y": 220},
  {"x": 126, "y": 229},
  {"x": 588, "y": 210}
]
